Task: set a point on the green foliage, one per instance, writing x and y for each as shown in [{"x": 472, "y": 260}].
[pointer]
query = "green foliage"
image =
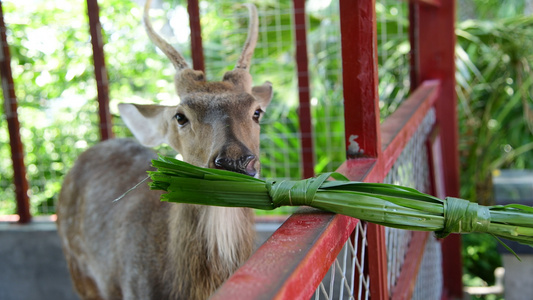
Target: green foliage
[
  {"x": 494, "y": 87},
  {"x": 490, "y": 9},
  {"x": 53, "y": 80},
  {"x": 53, "y": 74},
  {"x": 393, "y": 56},
  {"x": 494, "y": 84},
  {"x": 480, "y": 257}
]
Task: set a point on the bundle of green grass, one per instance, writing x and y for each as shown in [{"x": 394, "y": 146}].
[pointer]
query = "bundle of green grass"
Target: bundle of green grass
[{"x": 384, "y": 204}]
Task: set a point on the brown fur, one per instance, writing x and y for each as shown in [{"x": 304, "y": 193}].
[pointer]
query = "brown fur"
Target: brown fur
[{"x": 140, "y": 247}]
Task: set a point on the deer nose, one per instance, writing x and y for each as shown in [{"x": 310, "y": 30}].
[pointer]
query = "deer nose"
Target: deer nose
[{"x": 243, "y": 165}]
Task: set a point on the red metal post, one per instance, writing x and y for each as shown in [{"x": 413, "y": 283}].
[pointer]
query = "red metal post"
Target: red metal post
[
  {"x": 434, "y": 43},
  {"x": 377, "y": 261},
  {"x": 414, "y": 59},
  {"x": 304, "y": 111},
  {"x": 361, "y": 113},
  {"x": 13, "y": 125},
  {"x": 100, "y": 71},
  {"x": 360, "y": 77},
  {"x": 197, "y": 50}
]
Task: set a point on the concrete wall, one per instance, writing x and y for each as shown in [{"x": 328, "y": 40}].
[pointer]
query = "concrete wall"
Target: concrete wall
[
  {"x": 518, "y": 280},
  {"x": 32, "y": 266}
]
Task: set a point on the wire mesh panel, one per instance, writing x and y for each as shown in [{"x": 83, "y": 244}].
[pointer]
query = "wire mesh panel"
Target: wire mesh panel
[
  {"x": 429, "y": 279},
  {"x": 397, "y": 241},
  {"x": 412, "y": 170},
  {"x": 347, "y": 279}
]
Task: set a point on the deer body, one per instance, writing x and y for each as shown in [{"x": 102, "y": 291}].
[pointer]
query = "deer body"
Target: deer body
[{"x": 140, "y": 247}]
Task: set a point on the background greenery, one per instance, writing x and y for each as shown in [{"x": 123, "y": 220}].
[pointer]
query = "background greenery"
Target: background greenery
[
  {"x": 53, "y": 73},
  {"x": 494, "y": 84}
]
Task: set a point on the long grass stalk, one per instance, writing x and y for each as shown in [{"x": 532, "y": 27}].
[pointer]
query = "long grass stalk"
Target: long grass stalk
[{"x": 385, "y": 204}]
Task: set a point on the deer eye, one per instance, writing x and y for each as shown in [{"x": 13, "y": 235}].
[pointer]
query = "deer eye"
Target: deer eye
[
  {"x": 181, "y": 118},
  {"x": 257, "y": 115}
]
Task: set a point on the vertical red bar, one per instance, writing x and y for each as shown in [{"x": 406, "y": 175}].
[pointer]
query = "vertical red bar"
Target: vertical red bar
[
  {"x": 13, "y": 125},
  {"x": 361, "y": 113},
  {"x": 360, "y": 77},
  {"x": 377, "y": 261},
  {"x": 434, "y": 41},
  {"x": 436, "y": 48},
  {"x": 414, "y": 56},
  {"x": 197, "y": 51},
  {"x": 100, "y": 71},
  {"x": 304, "y": 111}
]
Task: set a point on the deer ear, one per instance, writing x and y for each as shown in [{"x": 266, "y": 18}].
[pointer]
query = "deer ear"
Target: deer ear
[
  {"x": 146, "y": 122},
  {"x": 263, "y": 93}
]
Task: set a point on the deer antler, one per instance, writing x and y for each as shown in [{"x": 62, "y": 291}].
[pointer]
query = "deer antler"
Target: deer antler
[
  {"x": 175, "y": 57},
  {"x": 251, "y": 40}
]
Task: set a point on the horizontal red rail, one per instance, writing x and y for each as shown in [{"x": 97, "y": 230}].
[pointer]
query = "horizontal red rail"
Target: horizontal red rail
[{"x": 291, "y": 264}]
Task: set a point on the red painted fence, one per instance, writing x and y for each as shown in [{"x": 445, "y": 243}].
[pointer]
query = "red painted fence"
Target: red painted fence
[{"x": 292, "y": 263}]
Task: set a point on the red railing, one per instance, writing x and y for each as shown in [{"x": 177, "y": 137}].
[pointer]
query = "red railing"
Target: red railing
[{"x": 292, "y": 262}]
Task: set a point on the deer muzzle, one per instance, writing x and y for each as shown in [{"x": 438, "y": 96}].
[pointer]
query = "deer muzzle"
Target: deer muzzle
[{"x": 244, "y": 165}]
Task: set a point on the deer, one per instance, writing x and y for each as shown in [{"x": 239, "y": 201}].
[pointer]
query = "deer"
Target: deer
[{"x": 143, "y": 248}]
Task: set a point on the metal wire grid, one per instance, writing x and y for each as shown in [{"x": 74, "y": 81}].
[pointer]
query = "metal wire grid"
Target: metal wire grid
[
  {"x": 346, "y": 278},
  {"x": 429, "y": 279},
  {"x": 397, "y": 241},
  {"x": 411, "y": 169}
]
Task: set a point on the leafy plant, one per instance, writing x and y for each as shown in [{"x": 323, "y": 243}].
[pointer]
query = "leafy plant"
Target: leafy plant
[
  {"x": 494, "y": 91},
  {"x": 495, "y": 81}
]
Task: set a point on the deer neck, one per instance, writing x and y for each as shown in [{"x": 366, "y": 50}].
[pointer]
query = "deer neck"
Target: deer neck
[{"x": 210, "y": 243}]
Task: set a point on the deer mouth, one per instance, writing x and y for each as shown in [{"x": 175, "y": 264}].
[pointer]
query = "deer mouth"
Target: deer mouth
[
  {"x": 250, "y": 169},
  {"x": 245, "y": 165}
]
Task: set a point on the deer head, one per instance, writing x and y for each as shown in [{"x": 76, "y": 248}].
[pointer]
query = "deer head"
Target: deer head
[{"x": 216, "y": 124}]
